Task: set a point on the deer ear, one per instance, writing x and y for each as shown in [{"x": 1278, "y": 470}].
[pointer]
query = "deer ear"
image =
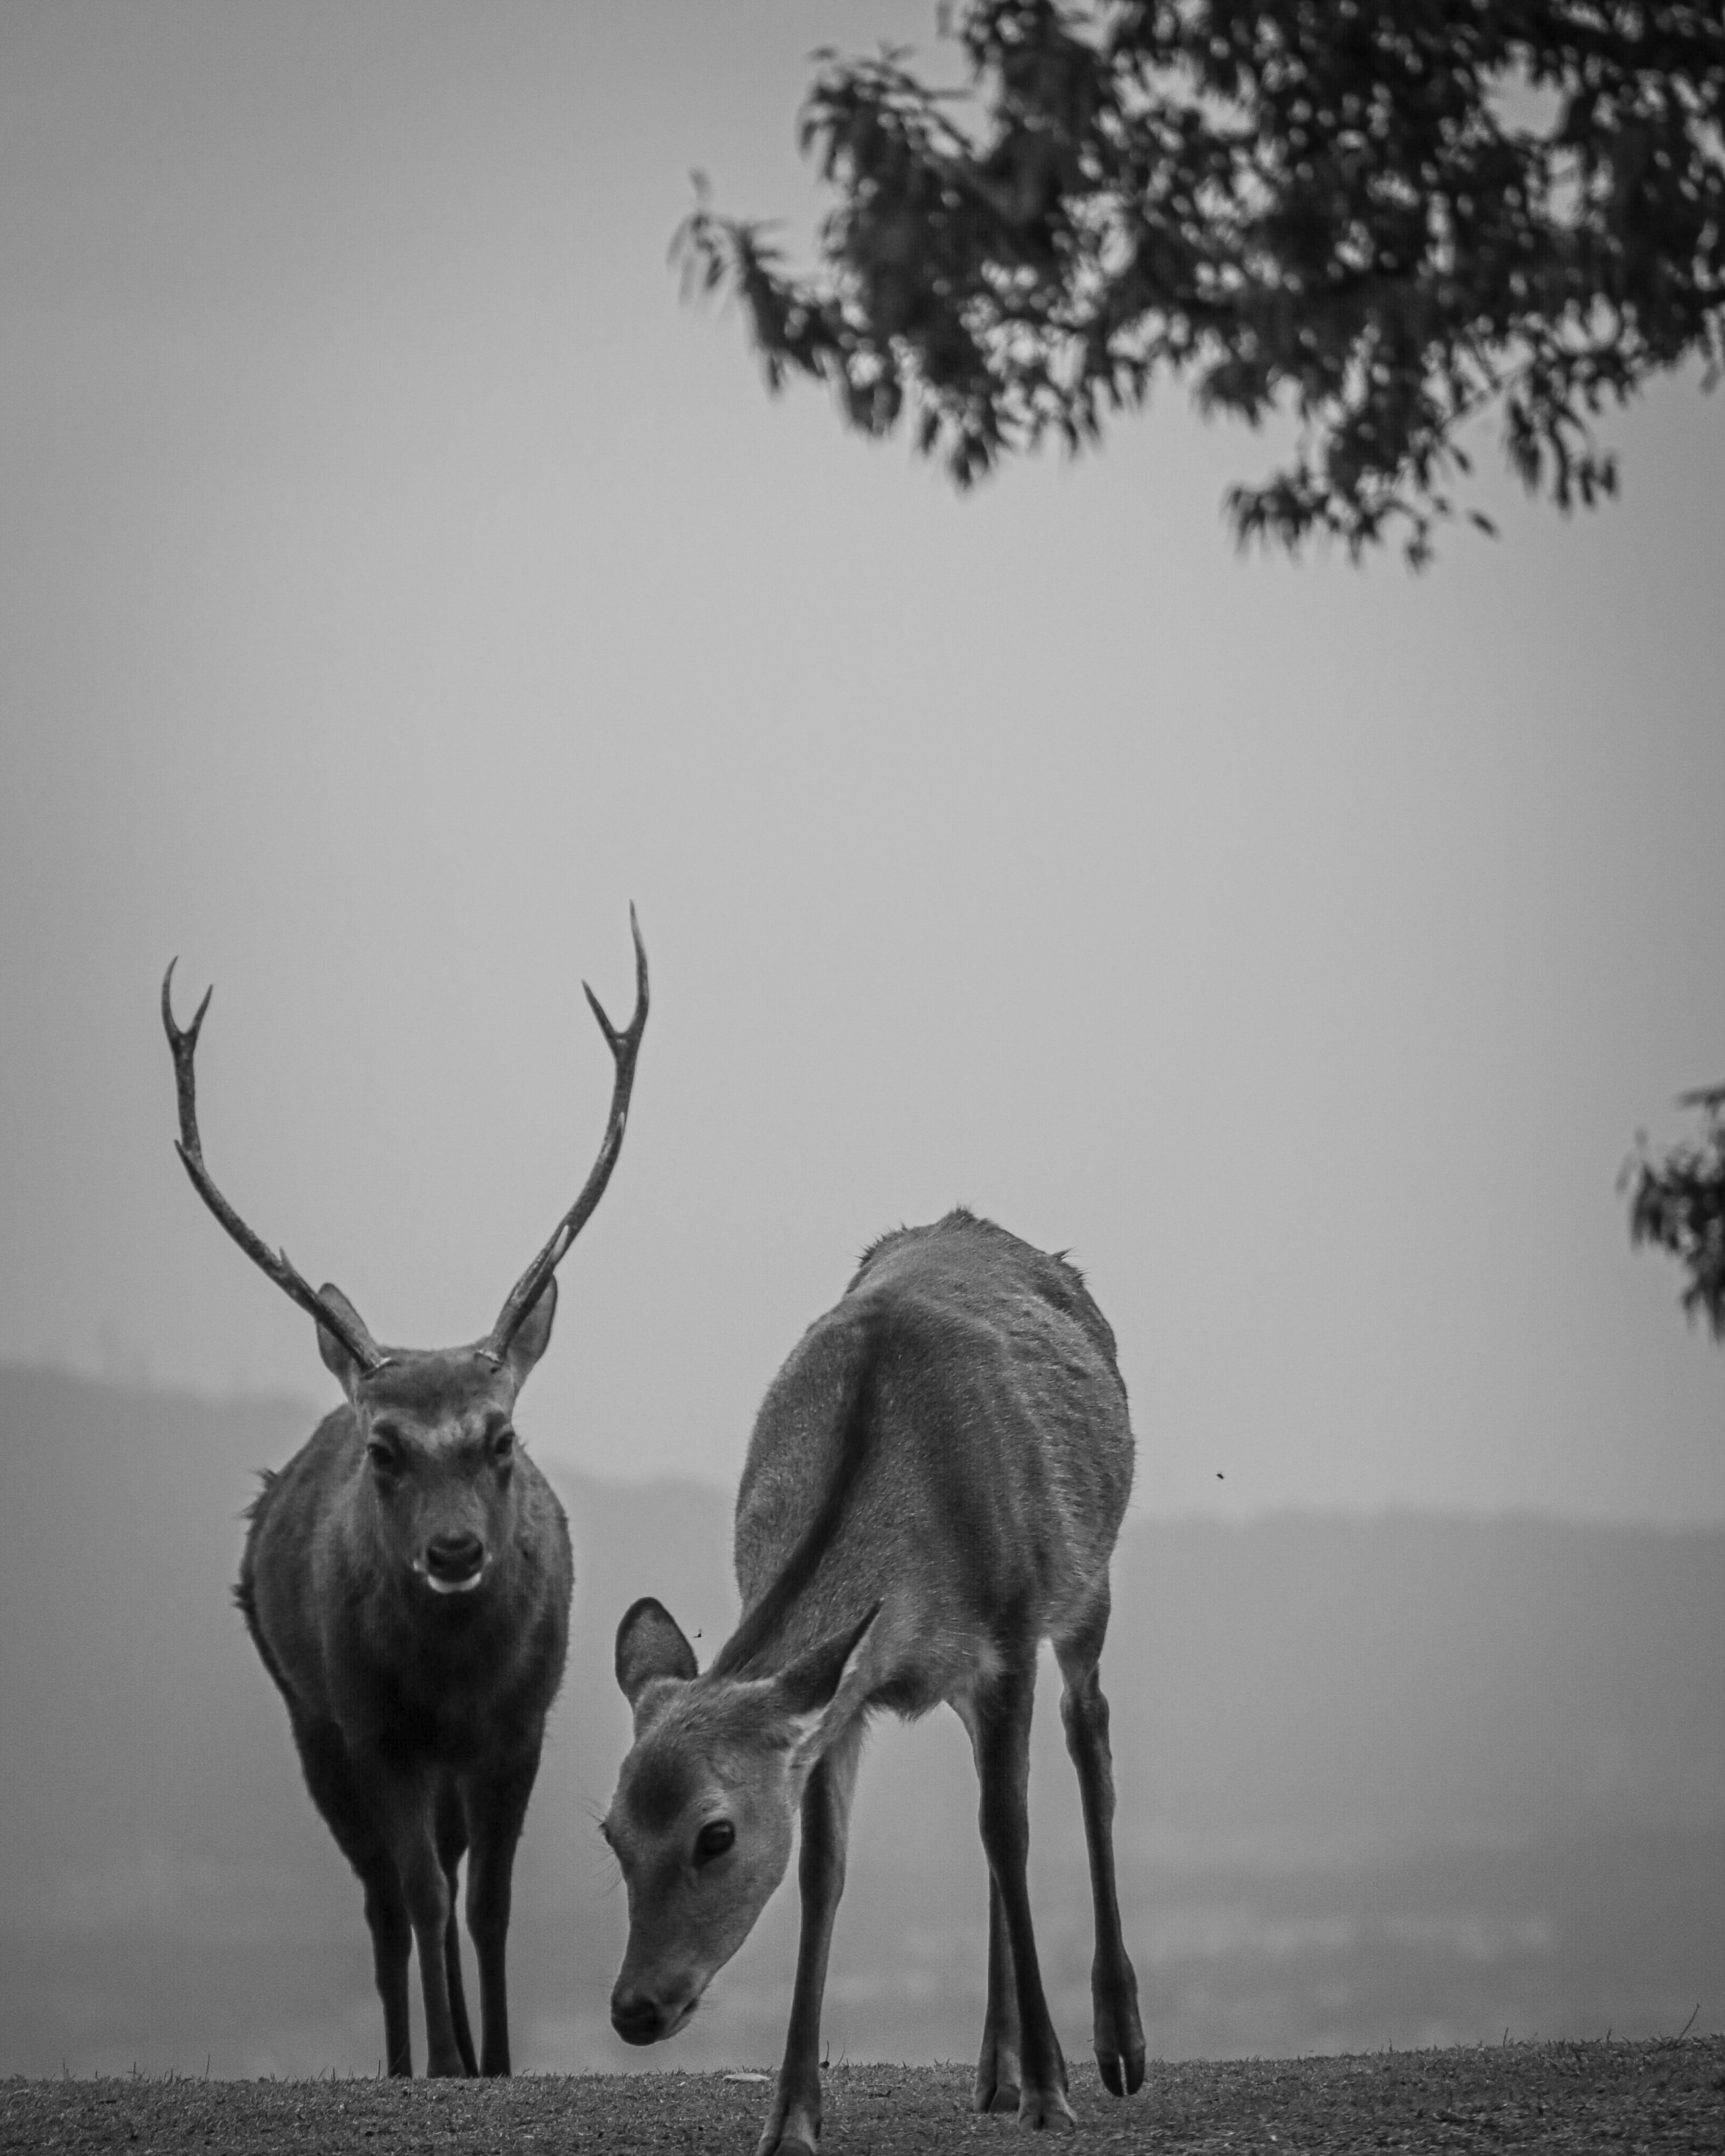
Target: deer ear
[
  {"x": 533, "y": 1336},
  {"x": 650, "y": 1645},
  {"x": 335, "y": 1355},
  {"x": 817, "y": 1686}
]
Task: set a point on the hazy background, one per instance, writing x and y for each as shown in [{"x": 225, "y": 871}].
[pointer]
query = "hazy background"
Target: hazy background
[
  {"x": 1413, "y": 1780},
  {"x": 396, "y": 579}
]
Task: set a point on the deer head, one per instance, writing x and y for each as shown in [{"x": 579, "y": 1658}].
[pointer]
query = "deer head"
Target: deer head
[
  {"x": 435, "y": 1424},
  {"x": 702, "y": 1821}
]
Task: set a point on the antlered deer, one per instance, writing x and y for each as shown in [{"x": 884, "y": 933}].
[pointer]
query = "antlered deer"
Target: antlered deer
[
  {"x": 934, "y": 1485},
  {"x": 406, "y": 1579}
]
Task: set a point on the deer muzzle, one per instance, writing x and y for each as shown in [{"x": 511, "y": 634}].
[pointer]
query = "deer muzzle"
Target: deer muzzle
[
  {"x": 453, "y": 1564},
  {"x": 639, "y": 2018}
]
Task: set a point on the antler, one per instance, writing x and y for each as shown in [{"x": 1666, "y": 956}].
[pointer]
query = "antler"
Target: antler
[
  {"x": 624, "y": 1048},
  {"x": 359, "y": 1344}
]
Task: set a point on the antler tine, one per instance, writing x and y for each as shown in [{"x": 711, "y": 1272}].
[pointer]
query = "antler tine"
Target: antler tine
[
  {"x": 183, "y": 1043},
  {"x": 624, "y": 1047}
]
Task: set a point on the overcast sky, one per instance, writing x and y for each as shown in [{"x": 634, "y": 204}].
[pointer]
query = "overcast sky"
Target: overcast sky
[{"x": 398, "y": 578}]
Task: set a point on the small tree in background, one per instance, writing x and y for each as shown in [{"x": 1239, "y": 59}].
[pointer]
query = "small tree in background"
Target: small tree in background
[
  {"x": 1677, "y": 1203},
  {"x": 1380, "y": 217}
]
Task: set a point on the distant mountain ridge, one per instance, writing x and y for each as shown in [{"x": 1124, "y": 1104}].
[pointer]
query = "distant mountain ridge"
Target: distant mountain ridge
[{"x": 1399, "y": 1779}]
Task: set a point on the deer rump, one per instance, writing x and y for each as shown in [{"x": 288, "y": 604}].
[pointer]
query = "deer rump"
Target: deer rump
[{"x": 934, "y": 1485}]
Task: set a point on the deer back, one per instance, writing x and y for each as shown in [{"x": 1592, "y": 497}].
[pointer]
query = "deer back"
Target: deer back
[{"x": 981, "y": 1492}]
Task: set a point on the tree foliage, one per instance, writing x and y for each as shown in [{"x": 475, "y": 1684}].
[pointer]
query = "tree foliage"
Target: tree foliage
[
  {"x": 1677, "y": 1203},
  {"x": 1379, "y": 218}
]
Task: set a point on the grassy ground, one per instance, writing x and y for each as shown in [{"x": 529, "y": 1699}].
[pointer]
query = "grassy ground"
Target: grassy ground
[{"x": 1575, "y": 2098}]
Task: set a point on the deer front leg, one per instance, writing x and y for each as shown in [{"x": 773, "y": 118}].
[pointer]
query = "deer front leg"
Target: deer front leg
[
  {"x": 451, "y": 1847},
  {"x": 496, "y": 1807},
  {"x": 1002, "y": 1724},
  {"x": 392, "y": 1942},
  {"x": 996, "y": 2066},
  {"x": 336, "y": 1791},
  {"x": 996, "y": 2087},
  {"x": 1114, "y": 1989},
  {"x": 794, "y": 2122},
  {"x": 406, "y": 1806}
]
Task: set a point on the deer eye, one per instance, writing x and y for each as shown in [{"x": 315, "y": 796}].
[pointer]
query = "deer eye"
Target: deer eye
[
  {"x": 715, "y": 1838},
  {"x": 383, "y": 1455},
  {"x": 503, "y": 1444}
]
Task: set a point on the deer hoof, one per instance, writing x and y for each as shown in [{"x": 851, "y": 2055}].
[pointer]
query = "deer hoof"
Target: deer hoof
[
  {"x": 998, "y": 2074},
  {"x": 994, "y": 2096},
  {"x": 1119, "y": 2037},
  {"x": 1045, "y": 2111},
  {"x": 1122, "y": 2075},
  {"x": 794, "y": 2130}
]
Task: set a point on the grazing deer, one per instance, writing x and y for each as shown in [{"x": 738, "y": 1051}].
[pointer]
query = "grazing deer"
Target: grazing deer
[
  {"x": 934, "y": 1485},
  {"x": 406, "y": 1580}
]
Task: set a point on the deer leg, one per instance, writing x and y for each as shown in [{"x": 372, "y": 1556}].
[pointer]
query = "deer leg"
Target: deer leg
[
  {"x": 451, "y": 1847},
  {"x": 336, "y": 1791},
  {"x": 1114, "y": 1989},
  {"x": 496, "y": 1807},
  {"x": 997, "y": 2067},
  {"x": 406, "y": 1804},
  {"x": 794, "y": 2122},
  {"x": 1002, "y": 1712},
  {"x": 391, "y": 1939}
]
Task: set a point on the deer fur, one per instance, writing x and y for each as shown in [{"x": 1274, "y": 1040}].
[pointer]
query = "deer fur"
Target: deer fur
[
  {"x": 934, "y": 1485},
  {"x": 406, "y": 1579}
]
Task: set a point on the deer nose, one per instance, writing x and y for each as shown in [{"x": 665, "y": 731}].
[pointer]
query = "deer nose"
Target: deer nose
[
  {"x": 454, "y": 1558},
  {"x": 635, "y": 2017}
]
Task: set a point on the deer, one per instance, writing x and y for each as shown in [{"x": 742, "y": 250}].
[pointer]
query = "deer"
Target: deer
[
  {"x": 406, "y": 1580},
  {"x": 934, "y": 1485}
]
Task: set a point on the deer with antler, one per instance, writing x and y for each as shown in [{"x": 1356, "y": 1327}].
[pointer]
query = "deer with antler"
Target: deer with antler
[
  {"x": 406, "y": 1579},
  {"x": 934, "y": 1485}
]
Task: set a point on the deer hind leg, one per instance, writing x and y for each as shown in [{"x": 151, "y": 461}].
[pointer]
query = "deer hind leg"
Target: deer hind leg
[
  {"x": 336, "y": 1791},
  {"x": 999, "y": 1716},
  {"x": 794, "y": 2122},
  {"x": 451, "y": 1847},
  {"x": 1114, "y": 1989},
  {"x": 496, "y": 1807}
]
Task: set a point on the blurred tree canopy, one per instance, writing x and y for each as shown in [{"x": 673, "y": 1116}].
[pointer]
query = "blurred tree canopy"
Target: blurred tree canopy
[
  {"x": 1381, "y": 218},
  {"x": 1677, "y": 1203}
]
